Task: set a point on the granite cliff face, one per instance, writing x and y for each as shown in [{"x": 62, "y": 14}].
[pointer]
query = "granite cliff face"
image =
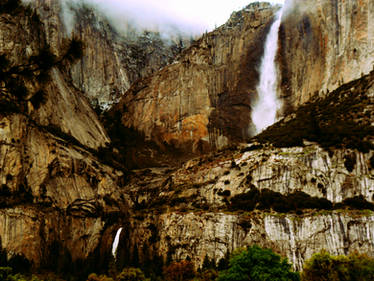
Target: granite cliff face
[
  {"x": 295, "y": 199},
  {"x": 323, "y": 45},
  {"x": 55, "y": 193},
  {"x": 113, "y": 59},
  {"x": 203, "y": 100},
  {"x": 197, "y": 235},
  {"x": 305, "y": 184},
  {"x": 188, "y": 213}
]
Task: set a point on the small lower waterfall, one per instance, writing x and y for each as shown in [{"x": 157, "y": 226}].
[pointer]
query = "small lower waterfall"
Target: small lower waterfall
[
  {"x": 267, "y": 104},
  {"x": 115, "y": 242}
]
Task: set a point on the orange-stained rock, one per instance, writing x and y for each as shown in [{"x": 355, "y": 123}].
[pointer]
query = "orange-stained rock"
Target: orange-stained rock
[
  {"x": 324, "y": 44},
  {"x": 203, "y": 99}
]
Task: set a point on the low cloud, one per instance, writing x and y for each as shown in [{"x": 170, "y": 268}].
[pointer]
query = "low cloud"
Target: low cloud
[
  {"x": 169, "y": 17},
  {"x": 138, "y": 15}
]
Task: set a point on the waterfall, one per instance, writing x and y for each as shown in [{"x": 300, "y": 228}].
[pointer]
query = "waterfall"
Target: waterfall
[
  {"x": 266, "y": 106},
  {"x": 115, "y": 242}
]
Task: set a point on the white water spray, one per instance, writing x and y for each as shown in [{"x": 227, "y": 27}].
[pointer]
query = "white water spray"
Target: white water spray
[
  {"x": 115, "y": 242},
  {"x": 266, "y": 106}
]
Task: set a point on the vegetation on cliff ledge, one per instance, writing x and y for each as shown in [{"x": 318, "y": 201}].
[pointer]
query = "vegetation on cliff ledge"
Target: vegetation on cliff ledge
[
  {"x": 341, "y": 119},
  {"x": 297, "y": 201}
]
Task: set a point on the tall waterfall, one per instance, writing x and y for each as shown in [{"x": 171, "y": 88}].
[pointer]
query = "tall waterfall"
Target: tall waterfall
[
  {"x": 267, "y": 104},
  {"x": 115, "y": 242}
]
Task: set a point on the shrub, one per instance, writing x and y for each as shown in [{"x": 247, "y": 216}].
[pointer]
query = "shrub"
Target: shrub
[
  {"x": 208, "y": 275},
  {"x": 350, "y": 162},
  {"x": 5, "y": 272},
  {"x": 131, "y": 274},
  {"x": 359, "y": 203},
  {"x": 38, "y": 99},
  {"x": 6, "y": 275},
  {"x": 179, "y": 271},
  {"x": 257, "y": 264},
  {"x": 245, "y": 201},
  {"x": 267, "y": 199},
  {"x": 323, "y": 266},
  {"x": 94, "y": 277},
  {"x": 75, "y": 50}
]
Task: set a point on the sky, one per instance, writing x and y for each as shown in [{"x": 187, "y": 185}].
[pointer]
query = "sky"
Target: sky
[{"x": 191, "y": 16}]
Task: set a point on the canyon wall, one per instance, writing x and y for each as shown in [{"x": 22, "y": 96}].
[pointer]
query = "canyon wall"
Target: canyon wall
[
  {"x": 113, "y": 58},
  {"x": 188, "y": 213},
  {"x": 197, "y": 235},
  {"x": 203, "y": 100},
  {"x": 295, "y": 200},
  {"x": 59, "y": 198},
  {"x": 54, "y": 189},
  {"x": 323, "y": 45}
]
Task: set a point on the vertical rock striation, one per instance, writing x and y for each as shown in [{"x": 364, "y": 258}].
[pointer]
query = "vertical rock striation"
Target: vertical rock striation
[
  {"x": 55, "y": 193},
  {"x": 113, "y": 59},
  {"x": 324, "y": 44},
  {"x": 213, "y": 235},
  {"x": 203, "y": 100}
]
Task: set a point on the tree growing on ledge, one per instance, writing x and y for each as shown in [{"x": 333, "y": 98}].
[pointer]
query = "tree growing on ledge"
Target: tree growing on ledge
[{"x": 257, "y": 264}]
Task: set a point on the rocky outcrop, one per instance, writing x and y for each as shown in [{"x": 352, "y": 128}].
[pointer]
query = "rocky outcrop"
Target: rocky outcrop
[
  {"x": 211, "y": 180},
  {"x": 32, "y": 233},
  {"x": 58, "y": 200},
  {"x": 323, "y": 45},
  {"x": 64, "y": 108},
  {"x": 296, "y": 200},
  {"x": 190, "y": 212},
  {"x": 203, "y": 100},
  {"x": 49, "y": 190},
  {"x": 54, "y": 188},
  {"x": 113, "y": 59},
  {"x": 197, "y": 235}
]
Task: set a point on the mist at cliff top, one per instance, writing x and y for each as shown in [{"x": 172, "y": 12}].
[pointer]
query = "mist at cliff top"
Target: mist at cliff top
[{"x": 187, "y": 16}]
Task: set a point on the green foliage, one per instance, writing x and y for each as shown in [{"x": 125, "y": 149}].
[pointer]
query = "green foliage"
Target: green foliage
[
  {"x": 256, "y": 264},
  {"x": 179, "y": 271},
  {"x": 323, "y": 266},
  {"x": 131, "y": 274}
]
